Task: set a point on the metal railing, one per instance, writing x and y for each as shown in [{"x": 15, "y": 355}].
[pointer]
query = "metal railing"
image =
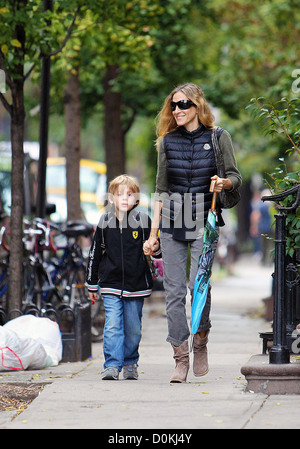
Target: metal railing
[{"x": 286, "y": 313}]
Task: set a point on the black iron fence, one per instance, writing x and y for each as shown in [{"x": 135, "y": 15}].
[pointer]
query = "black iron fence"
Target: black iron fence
[{"x": 286, "y": 292}]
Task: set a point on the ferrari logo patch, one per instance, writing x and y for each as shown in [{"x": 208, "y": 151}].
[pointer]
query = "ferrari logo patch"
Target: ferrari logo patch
[{"x": 135, "y": 234}]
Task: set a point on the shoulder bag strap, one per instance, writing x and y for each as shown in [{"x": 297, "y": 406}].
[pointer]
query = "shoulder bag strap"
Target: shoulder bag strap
[{"x": 218, "y": 153}]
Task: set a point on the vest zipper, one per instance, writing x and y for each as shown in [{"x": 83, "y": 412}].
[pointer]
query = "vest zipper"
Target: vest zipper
[
  {"x": 191, "y": 159},
  {"x": 122, "y": 258}
]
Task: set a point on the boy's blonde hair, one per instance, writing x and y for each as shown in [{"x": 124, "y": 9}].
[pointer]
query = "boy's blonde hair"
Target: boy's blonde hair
[{"x": 124, "y": 180}]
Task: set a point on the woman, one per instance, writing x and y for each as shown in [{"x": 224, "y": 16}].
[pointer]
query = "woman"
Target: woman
[{"x": 186, "y": 167}]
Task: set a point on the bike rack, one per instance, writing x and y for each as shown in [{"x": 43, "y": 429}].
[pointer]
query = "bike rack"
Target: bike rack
[{"x": 74, "y": 317}]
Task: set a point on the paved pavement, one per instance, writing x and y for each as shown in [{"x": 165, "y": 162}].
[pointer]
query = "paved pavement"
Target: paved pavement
[{"x": 75, "y": 397}]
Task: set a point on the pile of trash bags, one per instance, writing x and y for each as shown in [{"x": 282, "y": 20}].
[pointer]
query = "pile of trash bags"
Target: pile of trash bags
[{"x": 30, "y": 342}]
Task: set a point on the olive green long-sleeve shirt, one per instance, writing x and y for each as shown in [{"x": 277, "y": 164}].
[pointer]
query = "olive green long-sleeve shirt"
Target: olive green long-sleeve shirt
[{"x": 227, "y": 149}]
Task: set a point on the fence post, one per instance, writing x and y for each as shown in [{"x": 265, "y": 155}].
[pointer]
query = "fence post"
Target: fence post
[{"x": 280, "y": 353}]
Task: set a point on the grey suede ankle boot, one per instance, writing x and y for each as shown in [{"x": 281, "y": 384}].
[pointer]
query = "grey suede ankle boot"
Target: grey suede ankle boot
[
  {"x": 182, "y": 361},
  {"x": 200, "y": 365}
]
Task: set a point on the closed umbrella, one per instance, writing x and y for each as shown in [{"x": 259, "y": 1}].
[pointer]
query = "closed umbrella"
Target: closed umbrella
[{"x": 210, "y": 241}]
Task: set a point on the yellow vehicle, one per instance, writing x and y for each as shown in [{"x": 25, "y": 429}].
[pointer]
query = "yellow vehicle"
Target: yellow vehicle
[{"x": 92, "y": 177}]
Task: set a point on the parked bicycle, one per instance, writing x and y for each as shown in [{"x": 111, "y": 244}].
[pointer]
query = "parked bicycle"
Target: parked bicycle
[{"x": 53, "y": 270}]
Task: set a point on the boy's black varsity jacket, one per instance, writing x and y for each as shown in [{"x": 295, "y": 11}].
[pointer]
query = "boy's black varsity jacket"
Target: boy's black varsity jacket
[{"x": 116, "y": 259}]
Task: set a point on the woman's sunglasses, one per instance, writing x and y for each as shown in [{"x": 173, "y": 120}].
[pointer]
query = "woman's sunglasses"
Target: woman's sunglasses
[{"x": 182, "y": 104}]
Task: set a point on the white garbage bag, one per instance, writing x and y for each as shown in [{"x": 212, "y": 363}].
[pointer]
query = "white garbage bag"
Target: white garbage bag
[
  {"x": 18, "y": 353},
  {"x": 42, "y": 330}
]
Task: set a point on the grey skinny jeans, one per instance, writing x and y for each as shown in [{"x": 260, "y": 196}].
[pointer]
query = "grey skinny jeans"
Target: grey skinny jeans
[{"x": 174, "y": 254}]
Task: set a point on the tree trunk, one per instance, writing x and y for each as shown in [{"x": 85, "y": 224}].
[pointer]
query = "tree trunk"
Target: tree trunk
[
  {"x": 15, "y": 289},
  {"x": 17, "y": 207},
  {"x": 243, "y": 214},
  {"x": 114, "y": 139},
  {"x": 72, "y": 143}
]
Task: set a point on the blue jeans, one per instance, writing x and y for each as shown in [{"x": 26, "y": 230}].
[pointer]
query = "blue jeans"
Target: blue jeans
[{"x": 122, "y": 330}]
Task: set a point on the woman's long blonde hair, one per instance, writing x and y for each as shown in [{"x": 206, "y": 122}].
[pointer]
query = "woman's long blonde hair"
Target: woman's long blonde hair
[{"x": 165, "y": 119}]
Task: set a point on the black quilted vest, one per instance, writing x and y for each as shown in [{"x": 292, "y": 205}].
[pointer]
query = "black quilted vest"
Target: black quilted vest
[{"x": 190, "y": 163}]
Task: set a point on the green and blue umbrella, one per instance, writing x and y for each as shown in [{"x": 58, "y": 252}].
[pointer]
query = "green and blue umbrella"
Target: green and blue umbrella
[{"x": 210, "y": 241}]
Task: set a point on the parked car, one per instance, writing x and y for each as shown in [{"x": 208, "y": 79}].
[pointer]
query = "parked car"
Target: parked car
[
  {"x": 31, "y": 150},
  {"x": 92, "y": 188}
]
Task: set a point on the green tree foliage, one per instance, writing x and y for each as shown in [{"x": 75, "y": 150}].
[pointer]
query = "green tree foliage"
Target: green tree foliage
[
  {"x": 133, "y": 52},
  {"x": 257, "y": 49},
  {"x": 281, "y": 120},
  {"x": 249, "y": 49},
  {"x": 111, "y": 40}
]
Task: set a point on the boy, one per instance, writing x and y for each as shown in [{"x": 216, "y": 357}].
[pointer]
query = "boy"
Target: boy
[{"x": 117, "y": 263}]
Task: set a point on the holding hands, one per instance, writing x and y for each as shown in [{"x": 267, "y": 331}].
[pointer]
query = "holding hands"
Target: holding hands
[{"x": 151, "y": 246}]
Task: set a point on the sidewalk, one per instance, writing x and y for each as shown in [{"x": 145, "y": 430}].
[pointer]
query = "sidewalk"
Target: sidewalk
[{"x": 75, "y": 397}]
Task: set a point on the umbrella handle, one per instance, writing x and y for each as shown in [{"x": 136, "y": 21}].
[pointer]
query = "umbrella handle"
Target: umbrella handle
[{"x": 214, "y": 198}]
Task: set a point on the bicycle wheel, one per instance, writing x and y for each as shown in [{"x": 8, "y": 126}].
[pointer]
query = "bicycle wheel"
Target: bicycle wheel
[
  {"x": 79, "y": 294},
  {"x": 39, "y": 290}
]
